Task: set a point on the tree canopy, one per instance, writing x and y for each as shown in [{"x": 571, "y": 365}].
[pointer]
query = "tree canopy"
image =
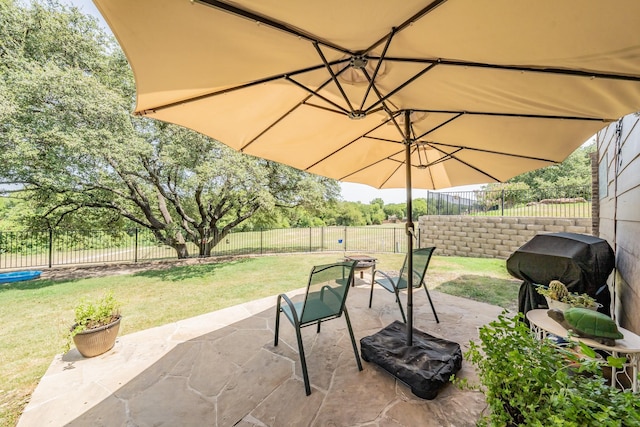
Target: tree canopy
[{"x": 71, "y": 148}]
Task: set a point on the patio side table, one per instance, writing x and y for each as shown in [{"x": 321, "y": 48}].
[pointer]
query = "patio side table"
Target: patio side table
[{"x": 629, "y": 347}]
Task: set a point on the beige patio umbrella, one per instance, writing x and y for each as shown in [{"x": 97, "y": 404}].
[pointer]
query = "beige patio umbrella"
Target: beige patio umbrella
[{"x": 419, "y": 93}]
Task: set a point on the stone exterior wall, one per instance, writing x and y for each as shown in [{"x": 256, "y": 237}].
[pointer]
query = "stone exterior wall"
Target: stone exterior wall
[{"x": 490, "y": 237}]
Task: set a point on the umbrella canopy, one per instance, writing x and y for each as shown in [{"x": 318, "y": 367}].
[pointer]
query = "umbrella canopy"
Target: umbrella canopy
[
  {"x": 419, "y": 93},
  {"x": 495, "y": 87}
]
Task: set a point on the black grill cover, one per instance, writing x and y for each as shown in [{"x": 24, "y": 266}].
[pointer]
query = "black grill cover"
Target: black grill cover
[{"x": 580, "y": 261}]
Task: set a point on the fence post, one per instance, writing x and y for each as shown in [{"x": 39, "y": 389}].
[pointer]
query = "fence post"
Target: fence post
[
  {"x": 50, "y": 247},
  {"x": 345, "y": 239},
  {"x": 502, "y": 203},
  {"x": 395, "y": 243},
  {"x": 321, "y": 239},
  {"x": 135, "y": 252},
  {"x": 261, "y": 240},
  {"x": 310, "y": 239}
]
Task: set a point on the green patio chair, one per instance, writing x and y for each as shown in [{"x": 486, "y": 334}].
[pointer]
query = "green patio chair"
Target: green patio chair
[
  {"x": 395, "y": 284},
  {"x": 324, "y": 300}
]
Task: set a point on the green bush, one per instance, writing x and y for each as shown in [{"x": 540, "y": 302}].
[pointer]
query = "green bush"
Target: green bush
[
  {"x": 535, "y": 383},
  {"x": 93, "y": 314}
]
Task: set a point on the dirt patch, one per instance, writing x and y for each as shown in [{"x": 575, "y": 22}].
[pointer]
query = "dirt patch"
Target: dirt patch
[{"x": 117, "y": 269}]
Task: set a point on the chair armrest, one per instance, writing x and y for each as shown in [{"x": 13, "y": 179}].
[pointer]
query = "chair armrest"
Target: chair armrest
[
  {"x": 337, "y": 295},
  {"x": 291, "y": 307},
  {"x": 391, "y": 279}
]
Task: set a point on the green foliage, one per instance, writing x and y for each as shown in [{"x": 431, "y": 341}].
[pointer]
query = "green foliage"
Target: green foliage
[
  {"x": 399, "y": 210},
  {"x": 534, "y": 383},
  {"x": 80, "y": 159},
  {"x": 93, "y": 314},
  {"x": 349, "y": 213},
  {"x": 573, "y": 172},
  {"x": 513, "y": 194},
  {"x": 558, "y": 291}
]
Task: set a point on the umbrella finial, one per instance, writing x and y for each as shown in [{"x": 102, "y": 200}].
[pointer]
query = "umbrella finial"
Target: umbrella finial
[
  {"x": 359, "y": 62},
  {"x": 357, "y": 114}
]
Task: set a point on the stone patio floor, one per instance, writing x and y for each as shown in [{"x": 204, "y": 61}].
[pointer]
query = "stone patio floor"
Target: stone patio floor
[{"x": 221, "y": 369}]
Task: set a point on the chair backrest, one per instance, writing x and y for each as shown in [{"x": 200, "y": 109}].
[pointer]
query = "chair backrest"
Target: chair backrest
[
  {"x": 327, "y": 291},
  {"x": 421, "y": 258}
]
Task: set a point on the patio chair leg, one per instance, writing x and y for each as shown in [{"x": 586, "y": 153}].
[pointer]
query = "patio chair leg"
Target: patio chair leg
[
  {"x": 318, "y": 331},
  {"x": 404, "y": 318},
  {"x": 303, "y": 361},
  {"x": 275, "y": 341},
  {"x": 353, "y": 340},
  {"x": 371, "y": 294},
  {"x": 431, "y": 302}
]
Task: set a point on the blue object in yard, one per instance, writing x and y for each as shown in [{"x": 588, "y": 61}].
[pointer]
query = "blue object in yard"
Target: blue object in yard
[{"x": 19, "y": 276}]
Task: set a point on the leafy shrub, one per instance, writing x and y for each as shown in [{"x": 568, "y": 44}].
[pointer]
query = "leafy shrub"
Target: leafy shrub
[
  {"x": 535, "y": 383},
  {"x": 93, "y": 314}
]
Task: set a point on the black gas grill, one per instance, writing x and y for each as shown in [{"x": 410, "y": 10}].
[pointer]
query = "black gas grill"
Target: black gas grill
[{"x": 582, "y": 262}]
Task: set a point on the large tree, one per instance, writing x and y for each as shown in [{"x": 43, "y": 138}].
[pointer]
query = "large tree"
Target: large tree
[
  {"x": 571, "y": 176},
  {"x": 71, "y": 147}
]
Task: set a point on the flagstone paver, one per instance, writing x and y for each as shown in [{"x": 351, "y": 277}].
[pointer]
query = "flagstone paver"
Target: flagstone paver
[{"x": 221, "y": 369}]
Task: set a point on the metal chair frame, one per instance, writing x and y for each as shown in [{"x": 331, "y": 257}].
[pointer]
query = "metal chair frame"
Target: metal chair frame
[
  {"x": 298, "y": 313},
  {"x": 394, "y": 284}
]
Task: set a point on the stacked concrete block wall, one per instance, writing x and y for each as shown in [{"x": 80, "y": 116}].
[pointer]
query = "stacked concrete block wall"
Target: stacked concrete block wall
[{"x": 490, "y": 237}]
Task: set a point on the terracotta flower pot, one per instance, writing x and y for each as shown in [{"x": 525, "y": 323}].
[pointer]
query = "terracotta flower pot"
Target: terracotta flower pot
[{"x": 93, "y": 342}]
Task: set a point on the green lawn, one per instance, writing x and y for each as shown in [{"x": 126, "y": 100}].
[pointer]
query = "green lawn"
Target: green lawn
[
  {"x": 36, "y": 314},
  {"x": 561, "y": 210}
]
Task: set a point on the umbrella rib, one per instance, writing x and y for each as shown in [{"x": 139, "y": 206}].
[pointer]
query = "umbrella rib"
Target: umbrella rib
[
  {"x": 320, "y": 107},
  {"x": 375, "y": 73},
  {"x": 459, "y": 114},
  {"x": 271, "y": 23},
  {"x": 446, "y": 122},
  {"x": 315, "y": 93},
  {"x": 333, "y": 75},
  {"x": 432, "y": 144},
  {"x": 544, "y": 70},
  {"x": 275, "y": 122},
  {"x": 343, "y": 147},
  {"x": 402, "y": 86},
  {"x": 452, "y": 156},
  {"x": 303, "y": 102},
  {"x": 408, "y": 22},
  {"x": 376, "y": 162},
  {"x": 526, "y": 116},
  {"x": 235, "y": 88}
]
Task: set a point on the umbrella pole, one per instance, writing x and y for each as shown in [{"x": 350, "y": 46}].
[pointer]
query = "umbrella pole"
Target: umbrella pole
[
  {"x": 413, "y": 362},
  {"x": 409, "y": 228}
]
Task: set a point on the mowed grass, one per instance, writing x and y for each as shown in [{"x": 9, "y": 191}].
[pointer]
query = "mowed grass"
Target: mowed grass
[
  {"x": 36, "y": 314},
  {"x": 560, "y": 210}
]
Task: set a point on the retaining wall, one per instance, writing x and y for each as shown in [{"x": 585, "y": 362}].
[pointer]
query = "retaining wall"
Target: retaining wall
[{"x": 490, "y": 237}]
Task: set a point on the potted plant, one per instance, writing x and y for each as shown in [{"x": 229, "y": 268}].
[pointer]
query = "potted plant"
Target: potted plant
[
  {"x": 527, "y": 381},
  {"x": 558, "y": 296},
  {"x": 96, "y": 325}
]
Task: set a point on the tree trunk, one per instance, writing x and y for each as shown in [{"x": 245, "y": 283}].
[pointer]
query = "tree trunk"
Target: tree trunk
[{"x": 181, "y": 249}]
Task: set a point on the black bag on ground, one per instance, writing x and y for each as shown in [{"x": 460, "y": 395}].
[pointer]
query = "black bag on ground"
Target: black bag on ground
[{"x": 425, "y": 366}]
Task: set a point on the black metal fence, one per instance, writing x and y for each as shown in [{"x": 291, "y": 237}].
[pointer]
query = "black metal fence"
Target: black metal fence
[
  {"x": 29, "y": 249},
  {"x": 569, "y": 202},
  {"x": 48, "y": 248}
]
